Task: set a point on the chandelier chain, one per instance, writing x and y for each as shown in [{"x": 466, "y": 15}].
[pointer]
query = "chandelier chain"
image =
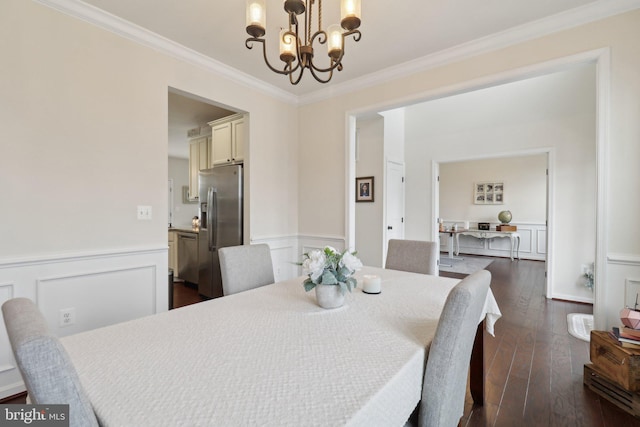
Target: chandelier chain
[
  {"x": 319, "y": 15},
  {"x": 309, "y": 19}
]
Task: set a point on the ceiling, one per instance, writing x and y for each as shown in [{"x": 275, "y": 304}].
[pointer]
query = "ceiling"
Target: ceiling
[
  {"x": 567, "y": 93},
  {"x": 393, "y": 33}
]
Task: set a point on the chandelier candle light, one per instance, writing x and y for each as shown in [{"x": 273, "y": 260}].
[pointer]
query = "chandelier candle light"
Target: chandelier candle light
[{"x": 296, "y": 43}]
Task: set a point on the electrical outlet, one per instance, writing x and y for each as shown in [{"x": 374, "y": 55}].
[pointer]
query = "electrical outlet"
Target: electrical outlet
[
  {"x": 67, "y": 316},
  {"x": 144, "y": 212}
]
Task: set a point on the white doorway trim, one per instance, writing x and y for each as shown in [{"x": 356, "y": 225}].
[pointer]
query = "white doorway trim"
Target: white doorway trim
[
  {"x": 550, "y": 209},
  {"x": 602, "y": 59},
  {"x": 170, "y": 201}
]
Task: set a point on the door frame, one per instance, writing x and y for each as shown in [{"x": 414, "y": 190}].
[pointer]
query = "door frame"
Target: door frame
[
  {"x": 549, "y": 209},
  {"x": 602, "y": 59}
]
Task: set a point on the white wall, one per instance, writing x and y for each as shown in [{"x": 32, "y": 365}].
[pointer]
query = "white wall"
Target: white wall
[
  {"x": 89, "y": 120},
  {"x": 370, "y": 162},
  {"x": 182, "y": 212},
  {"x": 394, "y": 129},
  {"x": 83, "y": 125},
  {"x": 322, "y": 151},
  {"x": 525, "y": 185}
]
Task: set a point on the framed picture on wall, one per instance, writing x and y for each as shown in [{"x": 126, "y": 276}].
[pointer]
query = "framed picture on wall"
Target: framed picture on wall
[
  {"x": 488, "y": 193},
  {"x": 364, "y": 189}
]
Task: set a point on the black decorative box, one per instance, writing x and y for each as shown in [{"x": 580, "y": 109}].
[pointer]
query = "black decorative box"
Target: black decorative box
[{"x": 484, "y": 226}]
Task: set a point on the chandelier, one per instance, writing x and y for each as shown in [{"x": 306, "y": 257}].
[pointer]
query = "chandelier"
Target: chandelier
[{"x": 296, "y": 41}]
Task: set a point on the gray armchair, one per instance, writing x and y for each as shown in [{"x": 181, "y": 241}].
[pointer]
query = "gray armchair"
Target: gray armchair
[
  {"x": 45, "y": 366},
  {"x": 245, "y": 267},
  {"x": 415, "y": 256}
]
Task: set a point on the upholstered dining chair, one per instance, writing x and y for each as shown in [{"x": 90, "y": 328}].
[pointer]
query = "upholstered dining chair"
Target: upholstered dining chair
[
  {"x": 445, "y": 378},
  {"x": 415, "y": 256},
  {"x": 245, "y": 267},
  {"x": 45, "y": 366}
]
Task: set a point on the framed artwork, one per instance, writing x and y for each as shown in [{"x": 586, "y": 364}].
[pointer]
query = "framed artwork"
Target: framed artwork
[
  {"x": 488, "y": 193},
  {"x": 364, "y": 189}
]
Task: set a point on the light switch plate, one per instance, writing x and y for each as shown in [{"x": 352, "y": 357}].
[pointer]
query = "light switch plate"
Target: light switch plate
[{"x": 144, "y": 212}]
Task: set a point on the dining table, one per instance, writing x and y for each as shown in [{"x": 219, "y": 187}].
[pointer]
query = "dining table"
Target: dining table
[{"x": 270, "y": 357}]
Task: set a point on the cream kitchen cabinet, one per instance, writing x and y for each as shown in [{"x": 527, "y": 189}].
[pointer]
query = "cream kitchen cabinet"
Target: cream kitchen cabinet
[
  {"x": 199, "y": 159},
  {"x": 173, "y": 251},
  {"x": 227, "y": 140}
]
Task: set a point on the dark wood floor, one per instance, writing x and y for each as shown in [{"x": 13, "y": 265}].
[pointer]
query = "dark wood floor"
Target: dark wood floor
[
  {"x": 185, "y": 294},
  {"x": 534, "y": 367}
]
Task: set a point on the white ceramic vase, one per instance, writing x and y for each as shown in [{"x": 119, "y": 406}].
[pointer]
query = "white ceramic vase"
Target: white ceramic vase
[{"x": 329, "y": 296}]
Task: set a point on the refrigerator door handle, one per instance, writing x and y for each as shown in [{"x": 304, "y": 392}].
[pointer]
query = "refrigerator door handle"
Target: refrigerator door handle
[{"x": 212, "y": 206}]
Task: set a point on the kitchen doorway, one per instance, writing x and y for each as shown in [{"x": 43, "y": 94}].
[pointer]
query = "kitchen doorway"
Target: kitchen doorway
[{"x": 190, "y": 150}]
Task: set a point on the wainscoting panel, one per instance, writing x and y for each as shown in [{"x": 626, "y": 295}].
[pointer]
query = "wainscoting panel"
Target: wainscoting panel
[
  {"x": 12, "y": 383},
  {"x": 103, "y": 288},
  {"x": 623, "y": 275},
  {"x": 284, "y": 255},
  {"x": 97, "y": 298},
  {"x": 526, "y": 243},
  {"x": 542, "y": 242}
]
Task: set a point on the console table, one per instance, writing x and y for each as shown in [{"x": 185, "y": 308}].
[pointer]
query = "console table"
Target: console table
[{"x": 489, "y": 234}]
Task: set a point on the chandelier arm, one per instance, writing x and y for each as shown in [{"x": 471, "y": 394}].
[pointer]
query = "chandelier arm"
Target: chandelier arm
[
  {"x": 298, "y": 55},
  {"x": 337, "y": 63},
  {"x": 297, "y": 80},
  {"x": 330, "y": 71},
  {"x": 355, "y": 33},
  {"x": 321, "y": 35},
  {"x": 334, "y": 64},
  {"x": 266, "y": 60}
]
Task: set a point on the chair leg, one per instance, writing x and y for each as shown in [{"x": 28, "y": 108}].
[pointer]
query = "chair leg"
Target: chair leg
[{"x": 476, "y": 367}]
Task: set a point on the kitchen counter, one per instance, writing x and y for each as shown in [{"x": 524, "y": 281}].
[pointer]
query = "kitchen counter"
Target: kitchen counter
[{"x": 184, "y": 230}]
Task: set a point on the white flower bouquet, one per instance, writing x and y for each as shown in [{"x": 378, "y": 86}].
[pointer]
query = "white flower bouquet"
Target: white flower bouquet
[{"x": 330, "y": 267}]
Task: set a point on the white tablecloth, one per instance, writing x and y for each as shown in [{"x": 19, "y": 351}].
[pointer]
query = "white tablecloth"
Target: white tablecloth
[{"x": 269, "y": 356}]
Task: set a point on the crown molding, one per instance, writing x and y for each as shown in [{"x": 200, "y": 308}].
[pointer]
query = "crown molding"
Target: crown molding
[
  {"x": 572, "y": 18},
  {"x": 563, "y": 21},
  {"x": 107, "y": 21}
]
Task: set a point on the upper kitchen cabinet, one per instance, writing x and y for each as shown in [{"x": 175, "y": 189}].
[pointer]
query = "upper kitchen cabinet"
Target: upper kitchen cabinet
[
  {"x": 227, "y": 136},
  {"x": 198, "y": 160}
]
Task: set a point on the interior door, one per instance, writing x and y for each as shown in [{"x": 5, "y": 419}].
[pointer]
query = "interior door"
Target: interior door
[{"x": 394, "y": 203}]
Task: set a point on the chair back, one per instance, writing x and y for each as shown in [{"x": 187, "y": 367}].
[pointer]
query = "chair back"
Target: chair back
[
  {"x": 415, "y": 256},
  {"x": 245, "y": 267},
  {"x": 445, "y": 378},
  {"x": 45, "y": 366}
]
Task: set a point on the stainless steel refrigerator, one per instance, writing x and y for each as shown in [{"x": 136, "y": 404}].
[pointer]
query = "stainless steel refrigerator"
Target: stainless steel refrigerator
[{"x": 220, "y": 222}]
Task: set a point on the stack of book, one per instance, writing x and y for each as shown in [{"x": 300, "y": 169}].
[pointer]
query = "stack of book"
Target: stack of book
[{"x": 627, "y": 337}]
